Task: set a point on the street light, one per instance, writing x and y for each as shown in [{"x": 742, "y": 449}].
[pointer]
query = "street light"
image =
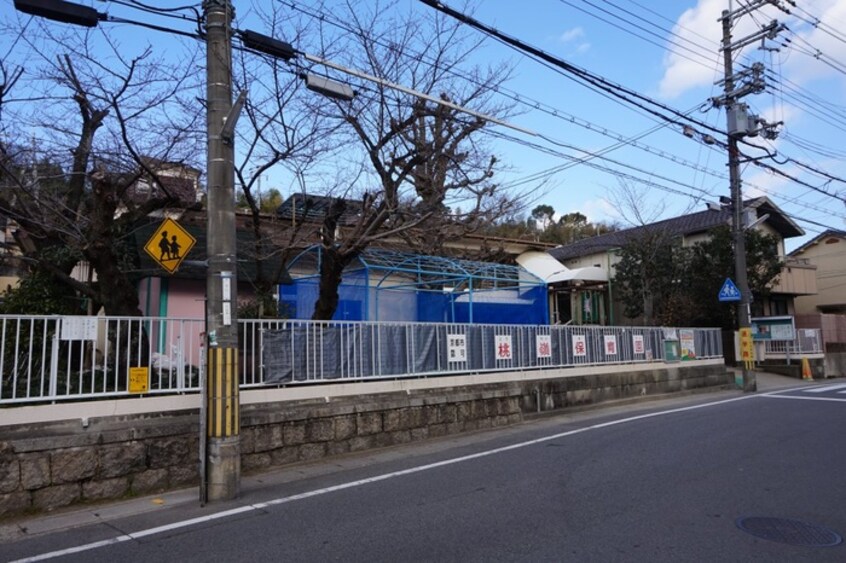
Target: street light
[
  {"x": 329, "y": 88},
  {"x": 60, "y": 11}
]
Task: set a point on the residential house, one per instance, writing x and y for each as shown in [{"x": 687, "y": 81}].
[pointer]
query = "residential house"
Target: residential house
[
  {"x": 588, "y": 298},
  {"x": 827, "y": 252},
  {"x": 175, "y": 179},
  {"x": 826, "y": 310}
]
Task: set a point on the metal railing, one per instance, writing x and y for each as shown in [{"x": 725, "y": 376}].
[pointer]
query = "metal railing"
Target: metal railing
[
  {"x": 308, "y": 351},
  {"x": 53, "y": 358},
  {"x": 50, "y": 358},
  {"x": 807, "y": 341}
]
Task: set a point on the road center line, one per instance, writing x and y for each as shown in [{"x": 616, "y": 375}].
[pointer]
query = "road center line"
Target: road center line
[{"x": 349, "y": 485}]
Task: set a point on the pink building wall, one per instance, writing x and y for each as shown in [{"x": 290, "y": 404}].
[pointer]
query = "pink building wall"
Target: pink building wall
[{"x": 175, "y": 299}]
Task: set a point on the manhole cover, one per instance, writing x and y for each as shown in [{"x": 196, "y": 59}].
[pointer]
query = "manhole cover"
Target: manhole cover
[{"x": 792, "y": 532}]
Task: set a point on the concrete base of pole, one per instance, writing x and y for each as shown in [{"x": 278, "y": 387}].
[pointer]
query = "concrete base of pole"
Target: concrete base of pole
[
  {"x": 224, "y": 468},
  {"x": 750, "y": 382}
]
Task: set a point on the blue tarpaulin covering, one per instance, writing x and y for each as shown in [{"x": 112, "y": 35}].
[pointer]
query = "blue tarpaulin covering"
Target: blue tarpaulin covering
[{"x": 395, "y": 286}]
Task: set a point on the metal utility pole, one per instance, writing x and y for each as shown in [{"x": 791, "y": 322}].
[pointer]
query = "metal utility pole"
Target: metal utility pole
[
  {"x": 741, "y": 124},
  {"x": 223, "y": 459}
]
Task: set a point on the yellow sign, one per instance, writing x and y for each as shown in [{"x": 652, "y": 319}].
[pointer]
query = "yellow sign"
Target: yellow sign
[
  {"x": 139, "y": 380},
  {"x": 169, "y": 245},
  {"x": 747, "y": 347}
]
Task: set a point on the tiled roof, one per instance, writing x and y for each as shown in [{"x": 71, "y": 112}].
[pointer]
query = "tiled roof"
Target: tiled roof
[
  {"x": 677, "y": 226},
  {"x": 684, "y": 225},
  {"x": 180, "y": 188},
  {"x": 823, "y": 235},
  {"x": 313, "y": 208}
]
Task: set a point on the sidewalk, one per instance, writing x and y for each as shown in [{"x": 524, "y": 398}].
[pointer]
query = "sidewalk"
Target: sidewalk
[{"x": 773, "y": 381}]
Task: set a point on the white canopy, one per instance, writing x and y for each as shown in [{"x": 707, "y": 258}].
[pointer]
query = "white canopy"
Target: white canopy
[{"x": 551, "y": 270}]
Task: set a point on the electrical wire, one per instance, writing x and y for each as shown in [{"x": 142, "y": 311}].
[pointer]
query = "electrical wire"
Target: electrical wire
[
  {"x": 643, "y": 29},
  {"x": 623, "y": 93},
  {"x": 559, "y": 168}
]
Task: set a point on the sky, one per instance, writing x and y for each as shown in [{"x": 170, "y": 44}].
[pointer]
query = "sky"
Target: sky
[{"x": 668, "y": 51}]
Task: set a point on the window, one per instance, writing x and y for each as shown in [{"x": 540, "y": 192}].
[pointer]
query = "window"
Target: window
[{"x": 778, "y": 306}]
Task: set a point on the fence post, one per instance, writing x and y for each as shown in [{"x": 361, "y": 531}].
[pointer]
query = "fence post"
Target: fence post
[
  {"x": 54, "y": 359},
  {"x": 180, "y": 360}
]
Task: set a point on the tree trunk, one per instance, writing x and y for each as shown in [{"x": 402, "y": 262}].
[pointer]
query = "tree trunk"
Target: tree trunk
[
  {"x": 115, "y": 292},
  {"x": 332, "y": 266}
]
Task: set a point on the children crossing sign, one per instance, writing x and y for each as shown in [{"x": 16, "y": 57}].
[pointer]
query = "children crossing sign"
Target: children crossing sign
[
  {"x": 729, "y": 291},
  {"x": 169, "y": 245}
]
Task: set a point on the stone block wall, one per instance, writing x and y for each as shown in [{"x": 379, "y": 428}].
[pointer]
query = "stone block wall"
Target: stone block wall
[
  {"x": 54, "y": 465},
  {"x": 305, "y": 432},
  {"x": 58, "y": 465}
]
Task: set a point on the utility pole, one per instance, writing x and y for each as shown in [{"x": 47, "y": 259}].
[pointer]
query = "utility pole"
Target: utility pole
[
  {"x": 750, "y": 383},
  {"x": 741, "y": 124},
  {"x": 223, "y": 456}
]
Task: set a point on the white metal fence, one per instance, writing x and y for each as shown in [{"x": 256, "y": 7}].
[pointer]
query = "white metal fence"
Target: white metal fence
[
  {"x": 807, "y": 341},
  {"x": 52, "y": 358},
  {"x": 49, "y": 358}
]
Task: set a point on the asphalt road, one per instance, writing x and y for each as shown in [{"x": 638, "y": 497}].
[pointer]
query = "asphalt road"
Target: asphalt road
[{"x": 661, "y": 481}]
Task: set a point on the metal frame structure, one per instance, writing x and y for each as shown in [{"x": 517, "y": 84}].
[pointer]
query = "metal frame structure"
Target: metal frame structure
[{"x": 432, "y": 273}]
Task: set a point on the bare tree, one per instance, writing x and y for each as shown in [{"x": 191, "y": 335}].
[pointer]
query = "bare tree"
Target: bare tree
[
  {"x": 94, "y": 130},
  {"x": 280, "y": 132},
  {"x": 421, "y": 160}
]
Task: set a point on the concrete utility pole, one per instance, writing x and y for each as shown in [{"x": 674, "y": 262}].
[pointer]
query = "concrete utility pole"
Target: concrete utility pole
[
  {"x": 750, "y": 383},
  {"x": 741, "y": 124},
  {"x": 223, "y": 456}
]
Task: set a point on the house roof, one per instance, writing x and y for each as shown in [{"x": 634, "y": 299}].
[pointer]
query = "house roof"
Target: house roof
[
  {"x": 822, "y": 236},
  {"x": 194, "y": 265},
  {"x": 685, "y": 225},
  {"x": 313, "y": 208}
]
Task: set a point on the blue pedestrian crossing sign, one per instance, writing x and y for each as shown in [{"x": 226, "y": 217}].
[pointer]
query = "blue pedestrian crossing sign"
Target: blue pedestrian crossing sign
[{"x": 729, "y": 291}]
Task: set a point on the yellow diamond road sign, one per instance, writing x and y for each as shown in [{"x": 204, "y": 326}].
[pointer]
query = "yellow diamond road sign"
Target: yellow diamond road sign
[{"x": 169, "y": 245}]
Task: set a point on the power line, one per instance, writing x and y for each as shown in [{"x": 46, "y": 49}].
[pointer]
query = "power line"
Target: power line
[
  {"x": 642, "y": 28},
  {"x": 554, "y": 111},
  {"x": 617, "y": 90}
]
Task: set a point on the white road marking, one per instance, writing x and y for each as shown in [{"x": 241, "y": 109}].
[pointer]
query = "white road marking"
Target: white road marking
[
  {"x": 360, "y": 482},
  {"x": 802, "y": 398},
  {"x": 826, "y": 388}
]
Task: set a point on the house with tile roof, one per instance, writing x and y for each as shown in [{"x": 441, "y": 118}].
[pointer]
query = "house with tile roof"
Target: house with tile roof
[{"x": 581, "y": 292}]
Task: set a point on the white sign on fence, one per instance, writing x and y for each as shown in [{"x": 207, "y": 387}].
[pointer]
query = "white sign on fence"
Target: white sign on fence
[
  {"x": 543, "y": 345},
  {"x": 610, "y": 345},
  {"x": 503, "y": 347},
  {"x": 579, "y": 345},
  {"x": 79, "y": 328},
  {"x": 688, "y": 346},
  {"x": 637, "y": 343},
  {"x": 457, "y": 348}
]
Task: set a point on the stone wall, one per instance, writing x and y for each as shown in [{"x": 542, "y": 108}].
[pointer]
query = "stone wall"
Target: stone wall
[
  {"x": 794, "y": 369},
  {"x": 835, "y": 364},
  {"x": 43, "y": 467}
]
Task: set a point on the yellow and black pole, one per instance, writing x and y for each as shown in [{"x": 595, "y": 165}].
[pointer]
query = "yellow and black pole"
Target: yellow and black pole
[{"x": 222, "y": 461}]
